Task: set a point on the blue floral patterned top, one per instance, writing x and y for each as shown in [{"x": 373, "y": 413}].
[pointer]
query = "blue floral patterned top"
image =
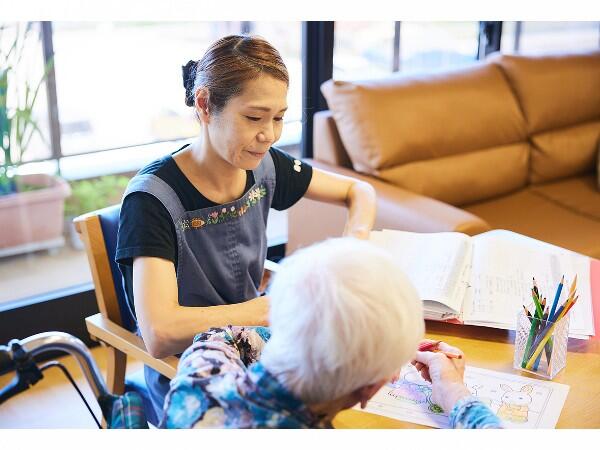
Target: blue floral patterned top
[{"x": 221, "y": 384}]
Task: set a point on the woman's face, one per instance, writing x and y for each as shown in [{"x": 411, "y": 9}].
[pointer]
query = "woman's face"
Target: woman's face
[{"x": 250, "y": 123}]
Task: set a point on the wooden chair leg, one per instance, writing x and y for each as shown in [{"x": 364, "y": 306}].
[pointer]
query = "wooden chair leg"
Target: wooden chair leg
[{"x": 115, "y": 371}]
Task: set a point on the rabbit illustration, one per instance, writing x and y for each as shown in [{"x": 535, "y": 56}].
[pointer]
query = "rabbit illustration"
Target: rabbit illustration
[{"x": 515, "y": 404}]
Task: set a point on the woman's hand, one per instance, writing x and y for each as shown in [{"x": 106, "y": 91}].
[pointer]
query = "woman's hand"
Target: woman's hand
[
  {"x": 359, "y": 232},
  {"x": 445, "y": 374},
  {"x": 361, "y": 201}
]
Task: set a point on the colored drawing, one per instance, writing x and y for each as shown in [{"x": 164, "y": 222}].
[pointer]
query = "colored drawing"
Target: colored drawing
[{"x": 520, "y": 402}]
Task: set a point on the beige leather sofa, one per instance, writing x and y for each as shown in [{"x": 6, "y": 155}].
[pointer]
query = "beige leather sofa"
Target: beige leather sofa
[{"x": 509, "y": 143}]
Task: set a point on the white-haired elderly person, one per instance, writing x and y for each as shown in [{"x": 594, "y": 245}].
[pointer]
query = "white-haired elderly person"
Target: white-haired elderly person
[{"x": 343, "y": 320}]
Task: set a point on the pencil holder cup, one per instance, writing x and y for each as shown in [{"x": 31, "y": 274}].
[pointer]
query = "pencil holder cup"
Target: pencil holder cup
[{"x": 541, "y": 345}]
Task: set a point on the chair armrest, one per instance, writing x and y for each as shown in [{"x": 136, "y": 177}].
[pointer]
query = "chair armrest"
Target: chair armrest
[
  {"x": 310, "y": 221},
  {"x": 118, "y": 337},
  {"x": 271, "y": 266}
]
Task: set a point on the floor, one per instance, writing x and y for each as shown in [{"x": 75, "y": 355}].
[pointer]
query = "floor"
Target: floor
[
  {"x": 41, "y": 272},
  {"x": 53, "y": 402}
]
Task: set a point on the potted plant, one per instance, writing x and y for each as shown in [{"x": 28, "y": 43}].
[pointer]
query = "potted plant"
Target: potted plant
[
  {"x": 31, "y": 206},
  {"x": 90, "y": 195}
]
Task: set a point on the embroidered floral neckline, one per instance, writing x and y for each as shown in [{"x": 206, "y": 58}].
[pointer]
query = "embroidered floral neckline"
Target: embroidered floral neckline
[{"x": 253, "y": 197}]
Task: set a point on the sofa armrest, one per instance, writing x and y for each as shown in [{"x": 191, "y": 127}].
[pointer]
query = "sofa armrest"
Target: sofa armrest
[{"x": 310, "y": 221}]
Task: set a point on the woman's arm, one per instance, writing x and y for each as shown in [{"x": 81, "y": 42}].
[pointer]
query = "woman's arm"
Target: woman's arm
[
  {"x": 357, "y": 195},
  {"x": 169, "y": 328}
]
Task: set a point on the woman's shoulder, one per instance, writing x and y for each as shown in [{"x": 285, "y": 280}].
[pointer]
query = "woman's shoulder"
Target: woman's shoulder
[
  {"x": 173, "y": 184},
  {"x": 159, "y": 167},
  {"x": 166, "y": 169}
]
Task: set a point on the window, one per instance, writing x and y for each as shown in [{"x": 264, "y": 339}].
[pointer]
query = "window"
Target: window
[
  {"x": 367, "y": 50},
  {"x": 549, "y": 37},
  {"x": 363, "y": 50},
  {"x": 119, "y": 84},
  {"x": 432, "y": 46},
  {"x": 30, "y": 70}
]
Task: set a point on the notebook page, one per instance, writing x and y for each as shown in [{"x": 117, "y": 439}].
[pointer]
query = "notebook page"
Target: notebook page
[
  {"x": 503, "y": 268},
  {"x": 434, "y": 262}
]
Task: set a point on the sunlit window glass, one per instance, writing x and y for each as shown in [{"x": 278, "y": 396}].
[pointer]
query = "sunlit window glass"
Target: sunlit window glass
[
  {"x": 432, "y": 46},
  {"x": 549, "y": 37},
  {"x": 119, "y": 83},
  {"x": 363, "y": 50}
]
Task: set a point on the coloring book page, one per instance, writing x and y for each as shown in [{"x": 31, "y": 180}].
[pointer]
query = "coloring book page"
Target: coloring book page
[{"x": 520, "y": 402}]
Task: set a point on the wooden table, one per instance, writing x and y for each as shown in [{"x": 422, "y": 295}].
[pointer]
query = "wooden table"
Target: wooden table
[{"x": 491, "y": 348}]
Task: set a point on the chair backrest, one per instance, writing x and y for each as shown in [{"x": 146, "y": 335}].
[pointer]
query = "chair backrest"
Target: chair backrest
[{"x": 98, "y": 230}]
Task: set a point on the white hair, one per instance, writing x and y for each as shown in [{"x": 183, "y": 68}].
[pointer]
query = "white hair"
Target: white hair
[{"x": 342, "y": 316}]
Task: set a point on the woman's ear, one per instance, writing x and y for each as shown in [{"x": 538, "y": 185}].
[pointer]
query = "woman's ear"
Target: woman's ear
[{"x": 201, "y": 103}]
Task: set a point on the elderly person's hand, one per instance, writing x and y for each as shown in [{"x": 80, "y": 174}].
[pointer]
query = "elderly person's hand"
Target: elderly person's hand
[{"x": 445, "y": 374}]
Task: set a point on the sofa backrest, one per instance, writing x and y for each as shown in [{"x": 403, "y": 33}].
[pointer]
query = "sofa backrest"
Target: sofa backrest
[
  {"x": 470, "y": 134},
  {"x": 459, "y": 136},
  {"x": 560, "y": 99}
]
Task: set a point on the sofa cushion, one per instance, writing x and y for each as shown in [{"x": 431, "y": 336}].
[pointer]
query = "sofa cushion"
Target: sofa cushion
[
  {"x": 327, "y": 144},
  {"x": 564, "y": 152},
  {"x": 555, "y": 91},
  {"x": 528, "y": 213},
  {"x": 575, "y": 194},
  {"x": 465, "y": 178},
  {"x": 385, "y": 123}
]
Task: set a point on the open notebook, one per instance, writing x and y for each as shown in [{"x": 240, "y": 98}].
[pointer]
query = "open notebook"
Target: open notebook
[{"x": 485, "y": 279}]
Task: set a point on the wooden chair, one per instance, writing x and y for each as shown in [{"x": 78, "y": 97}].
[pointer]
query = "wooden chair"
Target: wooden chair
[{"x": 115, "y": 324}]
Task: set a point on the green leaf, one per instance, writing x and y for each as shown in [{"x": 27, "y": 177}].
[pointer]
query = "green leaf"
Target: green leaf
[
  {"x": 34, "y": 129},
  {"x": 18, "y": 125}
]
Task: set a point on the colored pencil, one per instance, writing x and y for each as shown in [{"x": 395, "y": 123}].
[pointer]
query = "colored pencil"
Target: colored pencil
[
  {"x": 571, "y": 305},
  {"x": 536, "y": 302},
  {"x": 546, "y": 334},
  {"x": 530, "y": 338},
  {"x": 427, "y": 345},
  {"x": 557, "y": 296},
  {"x": 535, "y": 288},
  {"x": 546, "y": 348},
  {"x": 432, "y": 347},
  {"x": 528, "y": 314},
  {"x": 449, "y": 354}
]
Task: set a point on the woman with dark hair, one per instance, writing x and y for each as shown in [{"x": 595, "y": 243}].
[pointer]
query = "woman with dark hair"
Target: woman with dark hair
[{"x": 192, "y": 239}]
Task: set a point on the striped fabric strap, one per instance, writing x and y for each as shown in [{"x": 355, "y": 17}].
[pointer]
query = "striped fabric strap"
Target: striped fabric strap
[{"x": 128, "y": 412}]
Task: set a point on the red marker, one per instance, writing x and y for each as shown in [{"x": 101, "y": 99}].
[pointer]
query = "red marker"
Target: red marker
[
  {"x": 432, "y": 347},
  {"x": 425, "y": 346}
]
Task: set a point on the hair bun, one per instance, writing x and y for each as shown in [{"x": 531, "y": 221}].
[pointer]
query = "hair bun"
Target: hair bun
[{"x": 188, "y": 73}]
